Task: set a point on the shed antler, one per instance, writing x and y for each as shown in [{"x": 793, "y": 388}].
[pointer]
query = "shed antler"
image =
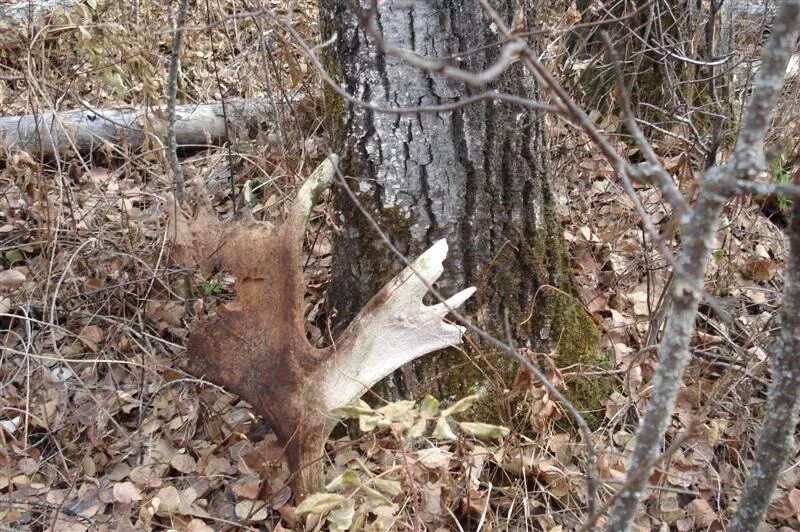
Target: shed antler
[{"x": 256, "y": 346}]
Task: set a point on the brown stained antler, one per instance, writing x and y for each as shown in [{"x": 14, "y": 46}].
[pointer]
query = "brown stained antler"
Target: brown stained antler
[{"x": 256, "y": 346}]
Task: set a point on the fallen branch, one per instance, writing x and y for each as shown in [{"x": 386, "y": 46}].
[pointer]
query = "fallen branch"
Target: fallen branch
[
  {"x": 85, "y": 130},
  {"x": 27, "y": 11}
]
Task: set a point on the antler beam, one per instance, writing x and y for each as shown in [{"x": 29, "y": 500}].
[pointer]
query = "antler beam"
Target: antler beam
[{"x": 256, "y": 346}]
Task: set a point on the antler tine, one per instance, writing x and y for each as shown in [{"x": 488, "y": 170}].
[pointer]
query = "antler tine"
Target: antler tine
[
  {"x": 308, "y": 195},
  {"x": 392, "y": 329}
]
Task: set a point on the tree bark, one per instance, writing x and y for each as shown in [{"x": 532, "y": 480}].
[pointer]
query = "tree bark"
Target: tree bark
[
  {"x": 84, "y": 130},
  {"x": 475, "y": 176}
]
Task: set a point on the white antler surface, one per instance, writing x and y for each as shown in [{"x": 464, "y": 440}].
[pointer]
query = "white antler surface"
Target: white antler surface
[{"x": 394, "y": 328}]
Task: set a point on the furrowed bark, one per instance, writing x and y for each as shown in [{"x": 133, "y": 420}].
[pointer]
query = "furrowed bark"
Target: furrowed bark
[{"x": 474, "y": 175}]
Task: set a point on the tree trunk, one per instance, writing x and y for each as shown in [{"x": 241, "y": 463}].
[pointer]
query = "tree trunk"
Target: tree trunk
[{"x": 475, "y": 176}]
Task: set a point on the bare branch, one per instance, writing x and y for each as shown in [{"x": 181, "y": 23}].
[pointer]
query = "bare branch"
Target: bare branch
[
  {"x": 573, "y": 112},
  {"x": 643, "y": 471},
  {"x": 172, "y": 92},
  {"x": 463, "y": 102},
  {"x": 509, "y": 53},
  {"x": 699, "y": 231},
  {"x": 788, "y": 190},
  {"x": 654, "y": 169},
  {"x": 776, "y": 443}
]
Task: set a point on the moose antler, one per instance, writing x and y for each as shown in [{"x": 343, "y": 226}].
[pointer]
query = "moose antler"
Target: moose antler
[{"x": 256, "y": 346}]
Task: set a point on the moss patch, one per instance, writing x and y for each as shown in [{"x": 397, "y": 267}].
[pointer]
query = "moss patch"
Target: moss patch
[
  {"x": 383, "y": 262},
  {"x": 576, "y": 348},
  {"x": 334, "y": 111},
  {"x": 560, "y": 327}
]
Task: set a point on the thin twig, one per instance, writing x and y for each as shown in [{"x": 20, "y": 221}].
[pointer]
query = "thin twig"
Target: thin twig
[
  {"x": 642, "y": 472},
  {"x": 654, "y": 168},
  {"x": 172, "y": 93},
  {"x": 776, "y": 443}
]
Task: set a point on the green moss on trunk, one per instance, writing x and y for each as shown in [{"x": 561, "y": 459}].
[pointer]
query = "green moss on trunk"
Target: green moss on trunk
[{"x": 576, "y": 350}]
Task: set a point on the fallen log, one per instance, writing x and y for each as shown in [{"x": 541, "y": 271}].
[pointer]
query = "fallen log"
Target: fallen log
[
  {"x": 27, "y": 12},
  {"x": 85, "y": 130}
]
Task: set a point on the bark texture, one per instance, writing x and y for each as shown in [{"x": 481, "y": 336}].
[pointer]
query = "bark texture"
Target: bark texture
[{"x": 474, "y": 176}]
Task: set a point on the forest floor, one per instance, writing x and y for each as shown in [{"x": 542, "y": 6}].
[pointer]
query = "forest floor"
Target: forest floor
[{"x": 102, "y": 428}]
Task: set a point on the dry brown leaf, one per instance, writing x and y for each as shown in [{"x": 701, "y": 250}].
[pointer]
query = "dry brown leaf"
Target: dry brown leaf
[
  {"x": 562, "y": 446},
  {"x": 168, "y": 313},
  {"x": 162, "y": 451},
  {"x": 519, "y": 462},
  {"x": 183, "y": 463},
  {"x": 641, "y": 307},
  {"x": 781, "y": 509},
  {"x": 46, "y": 413},
  {"x": 120, "y": 471},
  {"x": 431, "y": 507},
  {"x": 670, "y": 509},
  {"x": 11, "y": 280},
  {"x": 91, "y": 336},
  {"x": 794, "y": 501},
  {"x": 149, "y": 475},
  {"x": 703, "y": 514},
  {"x": 216, "y": 465},
  {"x": 22, "y": 159},
  {"x": 197, "y": 525},
  {"x": 267, "y": 454},
  {"x": 760, "y": 270},
  {"x": 187, "y": 498},
  {"x": 555, "y": 476},
  {"x": 434, "y": 458},
  {"x": 250, "y": 510},
  {"x": 476, "y": 502},
  {"x": 169, "y": 500},
  {"x": 573, "y": 15},
  {"x": 553, "y": 374},
  {"x": 247, "y": 487},
  {"x": 126, "y": 493},
  {"x": 148, "y": 510}
]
